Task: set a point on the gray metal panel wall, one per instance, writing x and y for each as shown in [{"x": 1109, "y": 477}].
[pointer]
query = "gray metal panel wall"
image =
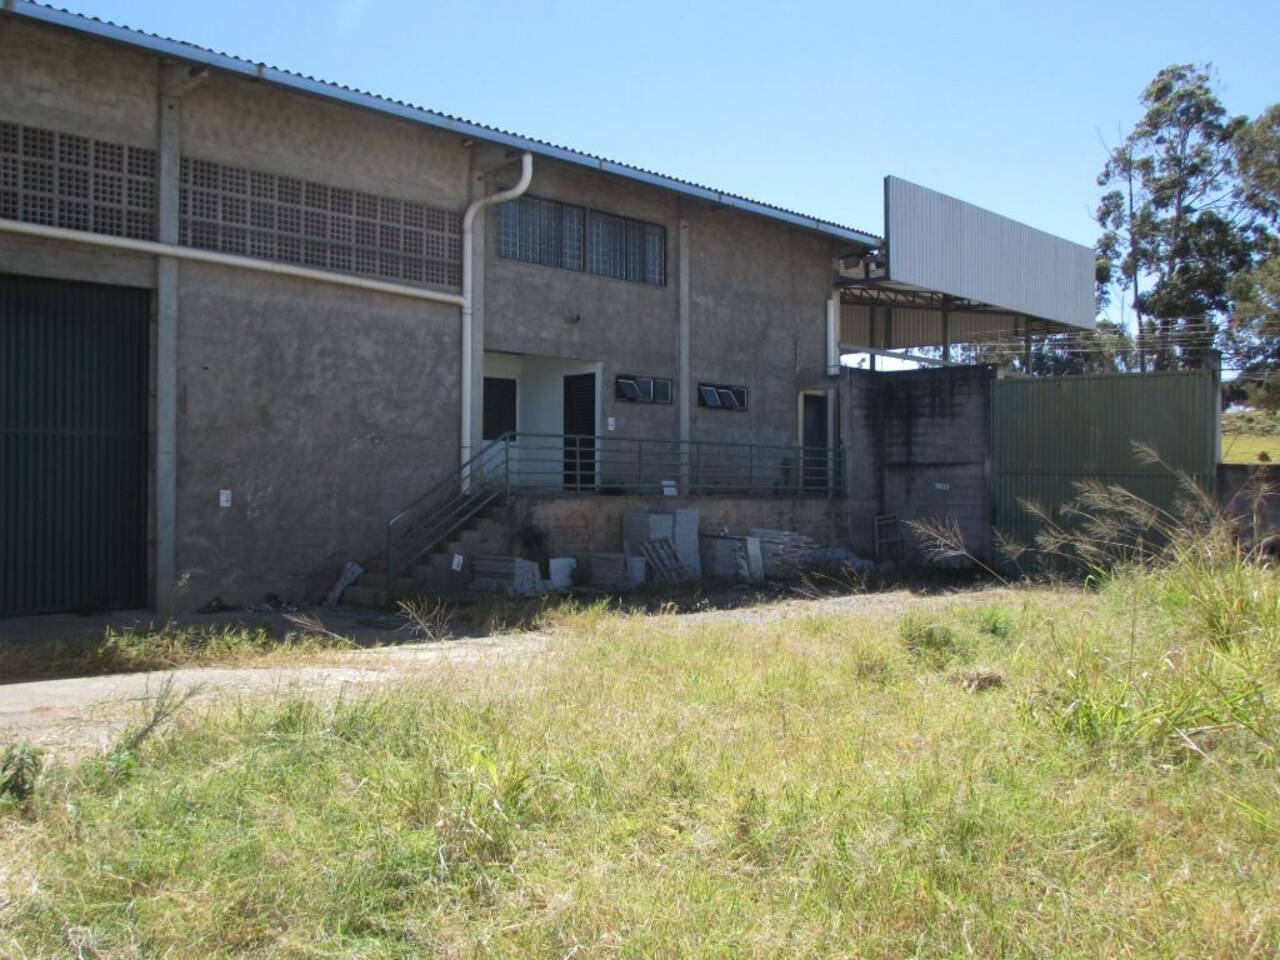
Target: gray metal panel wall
[
  {"x": 940, "y": 243},
  {"x": 913, "y": 327},
  {"x": 73, "y": 442},
  {"x": 1050, "y": 434}
]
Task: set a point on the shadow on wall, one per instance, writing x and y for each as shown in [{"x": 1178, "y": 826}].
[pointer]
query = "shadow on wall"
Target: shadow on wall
[{"x": 919, "y": 445}]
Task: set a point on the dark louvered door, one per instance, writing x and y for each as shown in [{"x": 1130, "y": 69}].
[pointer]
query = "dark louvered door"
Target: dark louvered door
[
  {"x": 73, "y": 445},
  {"x": 579, "y": 430},
  {"x": 500, "y": 399}
]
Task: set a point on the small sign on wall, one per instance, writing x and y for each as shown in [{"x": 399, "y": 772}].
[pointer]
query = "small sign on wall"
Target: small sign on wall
[
  {"x": 456, "y": 563},
  {"x": 224, "y": 499},
  {"x": 613, "y": 423}
]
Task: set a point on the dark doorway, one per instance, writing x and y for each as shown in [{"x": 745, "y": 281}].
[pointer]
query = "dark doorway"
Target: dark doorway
[
  {"x": 73, "y": 446},
  {"x": 579, "y": 430},
  {"x": 814, "y": 465},
  {"x": 499, "y": 407}
]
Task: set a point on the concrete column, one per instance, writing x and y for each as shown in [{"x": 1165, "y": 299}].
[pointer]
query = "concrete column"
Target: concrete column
[
  {"x": 685, "y": 384},
  {"x": 165, "y": 378}
]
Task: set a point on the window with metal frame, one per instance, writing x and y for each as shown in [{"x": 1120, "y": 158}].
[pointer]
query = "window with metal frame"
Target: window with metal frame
[
  {"x": 633, "y": 389},
  {"x": 541, "y": 231},
  {"x": 721, "y": 396},
  {"x": 626, "y": 249}
]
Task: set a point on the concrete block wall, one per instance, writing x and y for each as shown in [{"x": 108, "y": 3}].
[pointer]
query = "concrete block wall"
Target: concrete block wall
[
  {"x": 920, "y": 449},
  {"x": 324, "y": 410}
]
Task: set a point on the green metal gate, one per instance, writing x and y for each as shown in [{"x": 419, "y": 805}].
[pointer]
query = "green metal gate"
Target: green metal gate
[
  {"x": 1048, "y": 434},
  {"x": 73, "y": 445}
]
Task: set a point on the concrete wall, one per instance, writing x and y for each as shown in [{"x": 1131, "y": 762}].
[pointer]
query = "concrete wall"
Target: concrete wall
[
  {"x": 758, "y": 296},
  {"x": 323, "y": 410},
  {"x": 323, "y": 415},
  {"x": 919, "y": 447},
  {"x": 757, "y": 290},
  {"x": 1250, "y": 497}
]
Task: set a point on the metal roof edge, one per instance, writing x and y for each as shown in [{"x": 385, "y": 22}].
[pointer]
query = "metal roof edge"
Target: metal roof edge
[{"x": 191, "y": 53}]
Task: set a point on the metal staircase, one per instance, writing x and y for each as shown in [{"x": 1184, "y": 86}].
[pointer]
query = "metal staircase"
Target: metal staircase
[{"x": 432, "y": 518}]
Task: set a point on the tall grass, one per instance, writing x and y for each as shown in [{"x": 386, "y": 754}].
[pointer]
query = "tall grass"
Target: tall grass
[{"x": 1052, "y": 772}]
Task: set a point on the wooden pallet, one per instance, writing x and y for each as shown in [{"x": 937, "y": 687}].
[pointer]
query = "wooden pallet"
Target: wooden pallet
[{"x": 661, "y": 555}]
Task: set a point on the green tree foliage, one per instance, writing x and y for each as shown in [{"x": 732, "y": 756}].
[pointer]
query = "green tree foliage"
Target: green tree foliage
[
  {"x": 1252, "y": 338},
  {"x": 1176, "y": 229}
]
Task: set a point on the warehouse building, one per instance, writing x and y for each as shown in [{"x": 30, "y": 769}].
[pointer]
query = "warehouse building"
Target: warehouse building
[{"x": 254, "y": 324}]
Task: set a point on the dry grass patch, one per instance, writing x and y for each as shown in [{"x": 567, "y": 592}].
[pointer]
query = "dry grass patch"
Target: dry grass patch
[{"x": 818, "y": 785}]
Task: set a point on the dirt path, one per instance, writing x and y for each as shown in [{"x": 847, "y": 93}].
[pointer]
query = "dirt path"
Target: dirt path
[
  {"x": 82, "y": 714},
  {"x": 77, "y": 714}
]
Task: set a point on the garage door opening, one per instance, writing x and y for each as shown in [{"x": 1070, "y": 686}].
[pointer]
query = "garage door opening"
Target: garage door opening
[{"x": 73, "y": 446}]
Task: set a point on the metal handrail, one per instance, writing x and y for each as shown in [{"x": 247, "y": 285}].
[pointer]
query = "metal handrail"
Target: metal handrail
[
  {"x": 433, "y": 516},
  {"x": 587, "y": 463}
]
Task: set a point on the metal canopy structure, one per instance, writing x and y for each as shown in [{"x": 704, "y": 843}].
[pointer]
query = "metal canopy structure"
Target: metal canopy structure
[{"x": 952, "y": 272}]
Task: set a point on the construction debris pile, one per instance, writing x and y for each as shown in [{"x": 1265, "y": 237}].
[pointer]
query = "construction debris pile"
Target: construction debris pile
[{"x": 665, "y": 547}]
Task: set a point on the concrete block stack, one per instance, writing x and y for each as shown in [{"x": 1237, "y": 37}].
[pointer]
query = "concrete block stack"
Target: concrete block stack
[
  {"x": 726, "y": 557},
  {"x": 785, "y": 553},
  {"x": 616, "y": 572},
  {"x": 506, "y": 575},
  {"x": 677, "y": 527}
]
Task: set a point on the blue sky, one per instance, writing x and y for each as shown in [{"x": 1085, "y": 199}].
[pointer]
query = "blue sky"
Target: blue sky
[{"x": 806, "y": 105}]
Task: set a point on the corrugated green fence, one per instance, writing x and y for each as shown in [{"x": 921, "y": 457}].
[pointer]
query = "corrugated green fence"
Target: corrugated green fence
[{"x": 1048, "y": 434}]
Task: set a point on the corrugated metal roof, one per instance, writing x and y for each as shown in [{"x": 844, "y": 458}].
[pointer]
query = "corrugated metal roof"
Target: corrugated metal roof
[{"x": 182, "y": 50}]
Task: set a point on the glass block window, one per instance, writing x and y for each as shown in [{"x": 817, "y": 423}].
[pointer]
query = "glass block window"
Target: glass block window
[
  {"x": 626, "y": 249},
  {"x": 256, "y": 214},
  {"x": 720, "y": 396},
  {"x": 63, "y": 180},
  {"x": 541, "y": 231},
  {"x": 633, "y": 389}
]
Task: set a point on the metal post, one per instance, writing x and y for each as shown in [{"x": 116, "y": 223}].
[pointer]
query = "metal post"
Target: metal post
[
  {"x": 946, "y": 337},
  {"x": 506, "y": 467},
  {"x": 1026, "y": 347}
]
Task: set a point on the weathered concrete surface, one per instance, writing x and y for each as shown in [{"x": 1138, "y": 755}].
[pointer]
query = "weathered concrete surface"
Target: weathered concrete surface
[
  {"x": 323, "y": 412},
  {"x": 631, "y": 327},
  {"x": 919, "y": 448},
  {"x": 326, "y": 410},
  {"x": 57, "y": 79},
  {"x": 759, "y": 294}
]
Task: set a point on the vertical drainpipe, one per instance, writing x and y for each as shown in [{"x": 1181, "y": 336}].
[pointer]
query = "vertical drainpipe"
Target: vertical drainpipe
[
  {"x": 685, "y": 386},
  {"x": 468, "y": 300}
]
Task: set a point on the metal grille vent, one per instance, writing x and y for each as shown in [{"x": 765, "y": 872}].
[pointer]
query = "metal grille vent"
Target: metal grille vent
[
  {"x": 63, "y": 180},
  {"x": 255, "y": 214}
]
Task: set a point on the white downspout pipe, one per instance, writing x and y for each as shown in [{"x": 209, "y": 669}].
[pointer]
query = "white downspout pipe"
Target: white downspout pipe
[
  {"x": 468, "y": 290},
  {"x": 40, "y": 231}
]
